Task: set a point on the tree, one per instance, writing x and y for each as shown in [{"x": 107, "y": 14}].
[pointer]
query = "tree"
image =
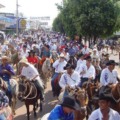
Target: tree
[{"x": 90, "y": 18}]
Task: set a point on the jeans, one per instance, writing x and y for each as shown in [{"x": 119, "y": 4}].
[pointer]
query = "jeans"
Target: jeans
[
  {"x": 40, "y": 88},
  {"x": 2, "y": 117},
  {"x": 52, "y": 81}
]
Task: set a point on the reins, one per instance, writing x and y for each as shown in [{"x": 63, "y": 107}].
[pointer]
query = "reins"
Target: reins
[{"x": 27, "y": 97}]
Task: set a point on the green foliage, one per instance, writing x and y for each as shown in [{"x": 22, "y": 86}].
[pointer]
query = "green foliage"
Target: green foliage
[{"x": 90, "y": 18}]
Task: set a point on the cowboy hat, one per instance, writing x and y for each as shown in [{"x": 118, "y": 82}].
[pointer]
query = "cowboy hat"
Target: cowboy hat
[
  {"x": 4, "y": 58},
  {"x": 111, "y": 62},
  {"x": 31, "y": 51},
  {"x": 6, "y": 42},
  {"x": 62, "y": 55},
  {"x": 24, "y": 60},
  {"x": 80, "y": 55},
  {"x": 70, "y": 102},
  {"x": 68, "y": 66}
]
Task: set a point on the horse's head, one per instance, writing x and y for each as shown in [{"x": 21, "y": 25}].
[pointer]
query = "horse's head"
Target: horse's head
[
  {"x": 48, "y": 64},
  {"x": 22, "y": 90},
  {"x": 82, "y": 97}
]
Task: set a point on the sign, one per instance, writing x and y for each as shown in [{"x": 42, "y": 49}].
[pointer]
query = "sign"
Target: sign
[
  {"x": 22, "y": 23},
  {"x": 40, "y": 18},
  {"x": 43, "y": 23}
]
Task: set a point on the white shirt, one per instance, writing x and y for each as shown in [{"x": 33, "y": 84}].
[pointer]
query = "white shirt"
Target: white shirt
[
  {"x": 59, "y": 66},
  {"x": 72, "y": 80},
  {"x": 79, "y": 64},
  {"x": 108, "y": 77},
  {"x": 97, "y": 115},
  {"x": 23, "y": 54},
  {"x": 85, "y": 51},
  {"x": 89, "y": 72},
  {"x": 30, "y": 73},
  {"x": 54, "y": 47},
  {"x": 4, "y": 48}
]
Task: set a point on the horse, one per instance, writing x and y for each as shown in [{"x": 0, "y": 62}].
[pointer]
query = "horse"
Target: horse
[
  {"x": 54, "y": 56},
  {"x": 81, "y": 97},
  {"x": 92, "y": 90},
  {"x": 30, "y": 96},
  {"x": 46, "y": 70},
  {"x": 14, "y": 90},
  {"x": 115, "y": 92}
]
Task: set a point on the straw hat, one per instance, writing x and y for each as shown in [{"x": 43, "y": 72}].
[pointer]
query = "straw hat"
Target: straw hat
[
  {"x": 62, "y": 55},
  {"x": 4, "y": 58},
  {"x": 24, "y": 60},
  {"x": 6, "y": 42}
]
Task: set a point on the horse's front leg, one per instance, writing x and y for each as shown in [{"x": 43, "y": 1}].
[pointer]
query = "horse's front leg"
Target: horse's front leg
[
  {"x": 28, "y": 113},
  {"x": 34, "y": 109},
  {"x": 41, "y": 107}
]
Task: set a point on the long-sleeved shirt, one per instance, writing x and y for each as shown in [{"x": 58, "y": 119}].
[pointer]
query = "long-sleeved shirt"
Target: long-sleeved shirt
[
  {"x": 59, "y": 66},
  {"x": 89, "y": 72},
  {"x": 108, "y": 77},
  {"x": 97, "y": 115},
  {"x": 79, "y": 64},
  {"x": 58, "y": 114},
  {"x": 6, "y": 76},
  {"x": 72, "y": 80}
]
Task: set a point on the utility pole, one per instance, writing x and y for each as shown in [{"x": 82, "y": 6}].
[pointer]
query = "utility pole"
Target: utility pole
[{"x": 17, "y": 31}]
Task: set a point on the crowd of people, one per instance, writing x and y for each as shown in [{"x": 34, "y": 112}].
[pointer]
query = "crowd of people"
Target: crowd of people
[{"x": 73, "y": 64}]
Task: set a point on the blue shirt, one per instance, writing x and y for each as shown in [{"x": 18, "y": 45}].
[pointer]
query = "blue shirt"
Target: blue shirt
[
  {"x": 6, "y": 76},
  {"x": 58, "y": 114}
]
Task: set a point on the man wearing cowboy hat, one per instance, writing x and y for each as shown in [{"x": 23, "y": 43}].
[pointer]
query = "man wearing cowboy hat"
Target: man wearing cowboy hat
[
  {"x": 64, "y": 111},
  {"x": 31, "y": 74},
  {"x": 70, "y": 77},
  {"x": 6, "y": 71},
  {"x": 59, "y": 68},
  {"x": 109, "y": 75},
  {"x": 104, "y": 112},
  {"x": 87, "y": 71}
]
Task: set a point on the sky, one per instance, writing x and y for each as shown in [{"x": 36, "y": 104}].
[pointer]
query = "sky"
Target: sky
[{"x": 32, "y": 8}]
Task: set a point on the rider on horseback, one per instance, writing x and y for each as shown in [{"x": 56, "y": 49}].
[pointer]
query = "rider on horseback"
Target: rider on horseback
[
  {"x": 59, "y": 67},
  {"x": 31, "y": 74},
  {"x": 6, "y": 71}
]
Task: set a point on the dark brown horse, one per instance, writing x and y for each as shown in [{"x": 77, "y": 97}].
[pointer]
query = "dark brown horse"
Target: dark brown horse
[{"x": 30, "y": 95}]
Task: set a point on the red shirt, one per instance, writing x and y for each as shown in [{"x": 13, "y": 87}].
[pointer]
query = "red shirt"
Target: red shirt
[{"x": 32, "y": 60}]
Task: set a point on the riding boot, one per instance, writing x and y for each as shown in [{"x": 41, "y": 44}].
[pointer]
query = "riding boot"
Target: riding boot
[{"x": 40, "y": 88}]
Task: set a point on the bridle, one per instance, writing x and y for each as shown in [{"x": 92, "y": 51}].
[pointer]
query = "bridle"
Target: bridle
[{"x": 27, "y": 96}]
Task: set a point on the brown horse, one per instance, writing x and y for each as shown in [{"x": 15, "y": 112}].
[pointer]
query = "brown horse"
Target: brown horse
[
  {"x": 30, "y": 96},
  {"x": 81, "y": 97},
  {"x": 115, "y": 91},
  {"x": 92, "y": 90}
]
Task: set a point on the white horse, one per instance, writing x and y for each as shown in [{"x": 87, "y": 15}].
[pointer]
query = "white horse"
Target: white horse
[
  {"x": 14, "y": 90},
  {"x": 46, "y": 70}
]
